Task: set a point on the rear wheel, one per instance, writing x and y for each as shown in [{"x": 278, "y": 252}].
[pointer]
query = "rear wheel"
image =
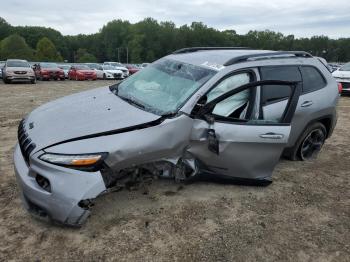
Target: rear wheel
[{"x": 310, "y": 143}]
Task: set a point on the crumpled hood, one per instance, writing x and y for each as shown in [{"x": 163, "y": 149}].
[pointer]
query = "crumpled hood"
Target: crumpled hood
[{"x": 82, "y": 114}]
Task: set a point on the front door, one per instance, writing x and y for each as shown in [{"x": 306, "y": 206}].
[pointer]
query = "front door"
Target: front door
[{"x": 233, "y": 136}]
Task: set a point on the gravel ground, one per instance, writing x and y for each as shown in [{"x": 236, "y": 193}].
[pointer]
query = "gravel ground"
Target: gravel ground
[{"x": 304, "y": 215}]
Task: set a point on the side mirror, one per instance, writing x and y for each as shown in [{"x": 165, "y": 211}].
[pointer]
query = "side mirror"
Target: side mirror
[{"x": 213, "y": 142}]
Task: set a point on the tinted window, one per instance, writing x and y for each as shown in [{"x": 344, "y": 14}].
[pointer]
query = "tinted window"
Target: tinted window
[
  {"x": 312, "y": 79},
  {"x": 272, "y": 94}
]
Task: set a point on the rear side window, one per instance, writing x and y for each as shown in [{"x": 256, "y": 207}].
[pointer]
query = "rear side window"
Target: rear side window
[
  {"x": 312, "y": 79},
  {"x": 274, "y": 94}
]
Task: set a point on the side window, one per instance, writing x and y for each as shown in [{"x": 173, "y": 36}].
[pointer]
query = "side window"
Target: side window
[
  {"x": 312, "y": 79},
  {"x": 235, "y": 106},
  {"x": 274, "y": 99},
  {"x": 274, "y": 102},
  {"x": 274, "y": 94}
]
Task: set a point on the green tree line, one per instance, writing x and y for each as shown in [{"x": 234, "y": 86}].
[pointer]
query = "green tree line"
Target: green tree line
[{"x": 149, "y": 40}]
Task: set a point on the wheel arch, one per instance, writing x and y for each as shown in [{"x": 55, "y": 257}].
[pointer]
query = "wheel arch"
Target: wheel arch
[{"x": 326, "y": 120}]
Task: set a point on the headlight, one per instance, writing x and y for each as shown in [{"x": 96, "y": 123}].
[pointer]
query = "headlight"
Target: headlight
[{"x": 84, "y": 161}]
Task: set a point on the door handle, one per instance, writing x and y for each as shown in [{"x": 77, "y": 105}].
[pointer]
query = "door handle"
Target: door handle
[
  {"x": 272, "y": 136},
  {"x": 306, "y": 104}
]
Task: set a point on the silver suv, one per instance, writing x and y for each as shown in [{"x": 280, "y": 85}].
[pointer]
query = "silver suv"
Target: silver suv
[
  {"x": 222, "y": 112},
  {"x": 17, "y": 70}
]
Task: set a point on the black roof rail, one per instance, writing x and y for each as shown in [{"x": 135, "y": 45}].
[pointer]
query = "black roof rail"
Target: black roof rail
[
  {"x": 195, "y": 49},
  {"x": 268, "y": 55}
]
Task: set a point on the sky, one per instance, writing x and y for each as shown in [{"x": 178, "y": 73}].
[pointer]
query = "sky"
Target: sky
[{"x": 303, "y": 18}]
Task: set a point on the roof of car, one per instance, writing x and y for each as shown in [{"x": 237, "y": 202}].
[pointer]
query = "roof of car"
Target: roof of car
[{"x": 225, "y": 56}]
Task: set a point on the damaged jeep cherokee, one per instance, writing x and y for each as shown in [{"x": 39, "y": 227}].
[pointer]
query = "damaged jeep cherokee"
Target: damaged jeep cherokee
[{"x": 224, "y": 112}]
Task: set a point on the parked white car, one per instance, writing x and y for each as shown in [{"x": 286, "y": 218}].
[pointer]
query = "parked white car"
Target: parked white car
[
  {"x": 65, "y": 68},
  {"x": 118, "y": 66},
  {"x": 110, "y": 72},
  {"x": 342, "y": 75},
  {"x": 98, "y": 69}
]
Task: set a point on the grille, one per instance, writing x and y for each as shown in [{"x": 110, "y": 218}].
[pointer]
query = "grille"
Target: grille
[
  {"x": 25, "y": 143},
  {"x": 20, "y": 72},
  {"x": 117, "y": 75}
]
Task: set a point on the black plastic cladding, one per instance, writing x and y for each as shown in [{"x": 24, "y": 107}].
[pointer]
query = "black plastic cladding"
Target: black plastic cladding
[{"x": 25, "y": 143}]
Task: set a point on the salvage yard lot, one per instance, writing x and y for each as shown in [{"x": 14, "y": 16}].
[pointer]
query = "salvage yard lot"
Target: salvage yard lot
[{"x": 303, "y": 215}]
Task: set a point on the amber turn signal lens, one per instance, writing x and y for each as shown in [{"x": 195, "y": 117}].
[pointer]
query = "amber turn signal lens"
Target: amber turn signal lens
[{"x": 85, "y": 161}]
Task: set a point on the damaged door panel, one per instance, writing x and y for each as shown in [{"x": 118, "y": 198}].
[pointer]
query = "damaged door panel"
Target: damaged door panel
[{"x": 247, "y": 146}]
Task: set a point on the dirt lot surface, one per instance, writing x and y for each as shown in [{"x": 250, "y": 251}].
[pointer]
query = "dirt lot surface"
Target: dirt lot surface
[{"x": 304, "y": 215}]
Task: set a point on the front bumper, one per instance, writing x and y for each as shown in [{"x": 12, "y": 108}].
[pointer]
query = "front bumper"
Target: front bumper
[
  {"x": 52, "y": 76},
  {"x": 68, "y": 188},
  {"x": 114, "y": 76},
  {"x": 20, "y": 77}
]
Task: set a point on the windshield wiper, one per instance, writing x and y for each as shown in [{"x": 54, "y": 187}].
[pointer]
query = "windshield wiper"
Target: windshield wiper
[{"x": 130, "y": 101}]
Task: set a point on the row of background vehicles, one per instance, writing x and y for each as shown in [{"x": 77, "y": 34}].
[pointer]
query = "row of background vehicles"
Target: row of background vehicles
[
  {"x": 14, "y": 70},
  {"x": 21, "y": 70}
]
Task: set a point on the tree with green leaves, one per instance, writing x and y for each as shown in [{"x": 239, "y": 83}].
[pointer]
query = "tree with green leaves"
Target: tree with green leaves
[
  {"x": 83, "y": 56},
  {"x": 46, "y": 51},
  {"x": 15, "y": 47},
  {"x": 148, "y": 40}
]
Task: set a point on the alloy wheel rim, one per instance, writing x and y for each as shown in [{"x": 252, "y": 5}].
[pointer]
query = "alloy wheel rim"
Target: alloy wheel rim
[{"x": 312, "y": 144}]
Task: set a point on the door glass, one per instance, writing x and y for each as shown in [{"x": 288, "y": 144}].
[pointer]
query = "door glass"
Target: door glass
[
  {"x": 275, "y": 98},
  {"x": 274, "y": 102}
]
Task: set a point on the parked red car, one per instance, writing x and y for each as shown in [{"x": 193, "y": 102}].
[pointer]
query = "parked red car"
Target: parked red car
[
  {"x": 81, "y": 72},
  {"x": 47, "y": 71},
  {"x": 132, "y": 68}
]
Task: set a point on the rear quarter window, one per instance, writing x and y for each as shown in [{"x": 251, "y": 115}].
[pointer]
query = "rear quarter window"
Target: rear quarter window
[{"x": 312, "y": 79}]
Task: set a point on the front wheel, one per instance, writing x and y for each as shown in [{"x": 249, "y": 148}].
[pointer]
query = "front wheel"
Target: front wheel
[{"x": 33, "y": 81}]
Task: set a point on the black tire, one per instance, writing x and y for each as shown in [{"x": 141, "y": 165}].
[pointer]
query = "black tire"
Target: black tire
[
  {"x": 104, "y": 77},
  {"x": 33, "y": 81},
  {"x": 6, "y": 81},
  {"x": 309, "y": 143}
]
